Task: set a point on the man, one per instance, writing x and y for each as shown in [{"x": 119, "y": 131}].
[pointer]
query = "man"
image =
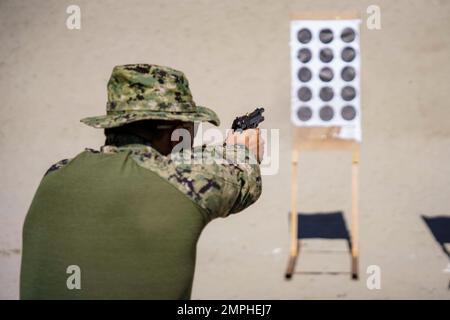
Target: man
[{"x": 123, "y": 222}]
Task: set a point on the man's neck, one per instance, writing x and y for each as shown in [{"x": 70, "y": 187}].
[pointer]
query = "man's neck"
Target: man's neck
[{"x": 121, "y": 139}]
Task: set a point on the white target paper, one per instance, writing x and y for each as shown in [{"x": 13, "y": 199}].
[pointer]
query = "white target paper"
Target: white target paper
[{"x": 325, "y": 73}]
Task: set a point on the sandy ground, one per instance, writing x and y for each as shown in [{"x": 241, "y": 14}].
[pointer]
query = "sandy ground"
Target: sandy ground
[{"x": 236, "y": 56}]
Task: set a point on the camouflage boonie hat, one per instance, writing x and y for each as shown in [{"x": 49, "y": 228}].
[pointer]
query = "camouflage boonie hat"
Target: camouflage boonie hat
[{"x": 143, "y": 91}]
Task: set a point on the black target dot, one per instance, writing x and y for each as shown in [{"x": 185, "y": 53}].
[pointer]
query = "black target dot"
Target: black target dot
[
  {"x": 326, "y": 93},
  {"x": 304, "y": 55},
  {"x": 348, "y": 93},
  {"x": 304, "y": 94},
  {"x": 326, "y": 35},
  {"x": 348, "y": 113},
  {"x": 304, "y": 36},
  {"x": 348, "y": 35},
  {"x": 326, "y": 113},
  {"x": 348, "y": 54},
  {"x": 304, "y": 113},
  {"x": 348, "y": 74},
  {"x": 326, "y": 74},
  {"x": 326, "y": 55},
  {"x": 304, "y": 74}
]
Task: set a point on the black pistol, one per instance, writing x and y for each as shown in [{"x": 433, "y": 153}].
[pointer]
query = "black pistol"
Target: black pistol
[{"x": 248, "y": 121}]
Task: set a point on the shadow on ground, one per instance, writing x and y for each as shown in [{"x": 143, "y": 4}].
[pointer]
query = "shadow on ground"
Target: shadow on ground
[
  {"x": 440, "y": 229},
  {"x": 323, "y": 225}
]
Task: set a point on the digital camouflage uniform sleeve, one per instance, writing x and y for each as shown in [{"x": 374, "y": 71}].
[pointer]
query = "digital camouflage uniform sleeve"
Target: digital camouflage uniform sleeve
[{"x": 220, "y": 182}]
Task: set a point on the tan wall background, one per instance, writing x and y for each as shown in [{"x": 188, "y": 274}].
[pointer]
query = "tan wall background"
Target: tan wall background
[{"x": 236, "y": 56}]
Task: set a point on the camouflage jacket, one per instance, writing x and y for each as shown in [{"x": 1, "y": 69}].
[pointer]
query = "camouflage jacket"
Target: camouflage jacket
[{"x": 221, "y": 180}]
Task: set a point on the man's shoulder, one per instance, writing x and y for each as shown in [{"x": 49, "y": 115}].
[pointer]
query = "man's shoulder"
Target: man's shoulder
[
  {"x": 64, "y": 162},
  {"x": 56, "y": 166}
]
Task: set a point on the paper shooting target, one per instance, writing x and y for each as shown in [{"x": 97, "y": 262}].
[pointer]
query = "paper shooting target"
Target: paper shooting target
[{"x": 325, "y": 75}]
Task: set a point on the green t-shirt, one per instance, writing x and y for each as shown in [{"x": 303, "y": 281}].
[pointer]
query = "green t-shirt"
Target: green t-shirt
[{"x": 127, "y": 220}]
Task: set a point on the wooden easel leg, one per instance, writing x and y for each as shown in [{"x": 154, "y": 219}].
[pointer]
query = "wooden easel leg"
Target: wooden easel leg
[
  {"x": 354, "y": 214},
  {"x": 293, "y": 218}
]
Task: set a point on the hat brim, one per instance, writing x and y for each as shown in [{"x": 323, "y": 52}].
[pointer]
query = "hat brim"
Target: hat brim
[{"x": 202, "y": 114}]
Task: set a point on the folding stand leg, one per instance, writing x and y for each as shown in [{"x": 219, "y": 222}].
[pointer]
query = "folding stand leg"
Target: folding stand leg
[
  {"x": 294, "y": 218},
  {"x": 354, "y": 218}
]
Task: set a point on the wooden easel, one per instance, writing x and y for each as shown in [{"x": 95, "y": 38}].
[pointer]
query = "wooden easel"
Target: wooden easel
[{"x": 322, "y": 138}]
